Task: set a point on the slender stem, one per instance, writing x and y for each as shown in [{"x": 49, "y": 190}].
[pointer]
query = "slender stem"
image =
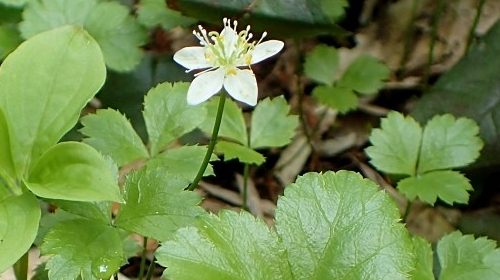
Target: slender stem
[
  {"x": 407, "y": 211},
  {"x": 150, "y": 270},
  {"x": 142, "y": 266},
  {"x": 211, "y": 145},
  {"x": 21, "y": 267},
  {"x": 474, "y": 24},
  {"x": 245, "y": 186}
]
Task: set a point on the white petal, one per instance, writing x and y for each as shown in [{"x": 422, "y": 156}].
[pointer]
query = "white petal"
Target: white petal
[
  {"x": 266, "y": 49},
  {"x": 205, "y": 86},
  {"x": 242, "y": 86},
  {"x": 229, "y": 39},
  {"x": 192, "y": 58}
]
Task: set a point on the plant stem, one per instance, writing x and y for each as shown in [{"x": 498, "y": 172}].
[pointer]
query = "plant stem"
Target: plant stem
[
  {"x": 407, "y": 211},
  {"x": 474, "y": 24},
  {"x": 150, "y": 270},
  {"x": 211, "y": 145},
  {"x": 21, "y": 267},
  {"x": 245, "y": 186},
  {"x": 143, "y": 257},
  {"x": 434, "y": 25}
]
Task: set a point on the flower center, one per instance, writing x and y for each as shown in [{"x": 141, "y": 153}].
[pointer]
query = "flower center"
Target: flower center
[{"x": 228, "y": 48}]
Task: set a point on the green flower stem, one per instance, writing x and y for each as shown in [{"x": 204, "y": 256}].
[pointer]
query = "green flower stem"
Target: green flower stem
[
  {"x": 149, "y": 275},
  {"x": 474, "y": 25},
  {"x": 211, "y": 145},
  {"x": 245, "y": 186},
  {"x": 21, "y": 267},
  {"x": 143, "y": 258}
]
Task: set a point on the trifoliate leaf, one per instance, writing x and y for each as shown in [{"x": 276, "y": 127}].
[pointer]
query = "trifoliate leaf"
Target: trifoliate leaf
[
  {"x": 272, "y": 126},
  {"x": 448, "y": 143},
  {"x": 155, "y": 12},
  {"x": 155, "y": 205},
  {"x": 108, "y": 22},
  {"x": 365, "y": 75},
  {"x": 424, "y": 260},
  {"x": 338, "y": 98},
  {"x": 19, "y": 217},
  {"x": 340, "y": 226},
  {"x": 449, "y": 186},
  {"x": 232, "y": 125},
  {"x": 321, "y": 64},
  {"x": 225, "y": 247},
  {"x": 396, "y": 144},
  {"x": 462, "y": 257},
  {"x": 9, "y": 39},
  {"x": 168, "y": 116},
  {"x": 83, "y": 248},
  {"x": 182, "y": 163},
  {"x": 74, "y": 171},
  {"x": 112, "y": 134},
  {"x": 244, "y": 154}
]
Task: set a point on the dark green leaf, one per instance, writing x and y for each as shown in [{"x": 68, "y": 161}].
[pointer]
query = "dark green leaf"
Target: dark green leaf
[
  {"x": 74, "y": 171},
  {"x": 244, "y": 154},
  {"x": 321, "y": 64},
  {"x": 471, "y": 89},
  {"x": 155, "y": 12},
  {"x": 19, "y": 217},
  {"x": 365, "y": 75},
  {"x": 9, "y": 39},
  {"x": 44, "y": 84},
  {"x": 112, "y": 134},
  {"x": 338, "y": 98},
  {"x": 168, "y": 116}
]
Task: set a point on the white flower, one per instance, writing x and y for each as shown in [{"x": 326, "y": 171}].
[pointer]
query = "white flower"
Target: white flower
[{"x": 222, "y": 55}]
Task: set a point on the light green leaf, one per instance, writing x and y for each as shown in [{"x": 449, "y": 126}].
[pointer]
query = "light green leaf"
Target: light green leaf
[
  {"x": 424, "y": 262},
  {"x": 83, "y": 248},
  {"x": 244, "y": 154},
  {"x": 15, "y": 3},
  {"x": 110, "y": 23},
  {"x": 464, "y": 258},
  {"x": 450, "y": 186},
  {"x": 272, "y": 126},
  {"x": 448, "y": 143},
  {"x": 168, "y": 116},
  {"x": 232, "y": 125},
  {"x": 225, "y": 247},
  {"x": 100, "y": 210},
  {"x": 7, "y": 170},
  {"x": 9, "y": 39},
  {"x": 65, "y": 69},
  {"x": 365, "y": 75},
  {"x": 74, "y": 171},
  {"x": 395, "y": 146},
  {"x": 19, "y": 217},
  {"x": 112, "y": 134},
  {"x": 338, "y": 98},
  {"x": 340, "y": 226},
  {"x": 155, "y": 205},
  {"x": 321, "y": 64},
  {"x": 155, "y": 12},
  {"x": 182, "y": 163}
]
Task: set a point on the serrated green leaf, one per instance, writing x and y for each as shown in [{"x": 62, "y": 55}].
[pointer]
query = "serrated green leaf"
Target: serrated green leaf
[
  {"x": 65, "y": 69},
  {"x": 450, "y": 186},
  {"x": 9, "y": 39},
  {"x": 232, "y": 125},
  {"x": 74, "y": 171},
  {"x": 83, "y": 248},
  {"x": 424, "y": 260},
  {"x": 108, "y": 22},
  {"x": 271, "y": 125},
  {"x": 338, "y": 98},
  {"x": 49, "y": 220},
  {"x": 112, "y": 134},
  {"x": 464, "y": 258},
  {"x": 155, "y": 12},
  {"x": 340, "y": 226},
  {"x": 321, "y": 64},
  {"x": 155, "y": 205},
  {"x": 182, "y": 163},
  {"x": 395, "y": 146},
  {"x": 168, "y": 116},
  {"x": 100, "y": 210},
  {"x": 19, "y": 217},
  {"x": 448, "y": 143},
  {"x": 244, "y": 154},
  {"x": 365, "y": 75},
  {"x": 225, "y": 247}
]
